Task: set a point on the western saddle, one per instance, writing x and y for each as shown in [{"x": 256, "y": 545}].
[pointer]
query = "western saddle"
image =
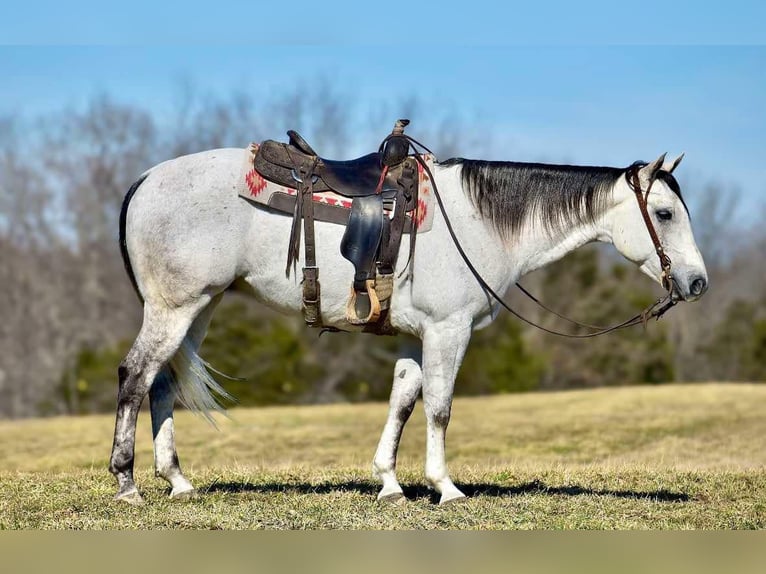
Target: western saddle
[{"x": 383, "y": 186}]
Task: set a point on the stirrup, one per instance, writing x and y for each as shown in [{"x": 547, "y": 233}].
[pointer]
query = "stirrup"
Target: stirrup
[{"x": 364, "y": 303}]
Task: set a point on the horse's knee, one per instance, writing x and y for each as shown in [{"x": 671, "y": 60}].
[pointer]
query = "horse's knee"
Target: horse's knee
[{"x": 439, "y": 414}]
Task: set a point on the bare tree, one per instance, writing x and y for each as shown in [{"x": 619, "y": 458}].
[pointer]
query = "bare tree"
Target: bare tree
[{"x": 63, "y": 179}]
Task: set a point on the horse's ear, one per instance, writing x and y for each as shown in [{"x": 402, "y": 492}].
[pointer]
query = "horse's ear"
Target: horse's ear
[
  {"x": 647, "y": 173},
  {"x": 669, "y": 166}
]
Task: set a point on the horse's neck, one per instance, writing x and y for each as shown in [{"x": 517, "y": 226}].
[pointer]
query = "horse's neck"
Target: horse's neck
[
  {"x": 484, "y": 247},
  {"x": 535, "y": 247},
  {"x": 530, "y": 249}
]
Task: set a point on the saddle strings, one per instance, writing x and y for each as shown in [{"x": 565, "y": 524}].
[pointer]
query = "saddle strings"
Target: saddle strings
[{"x": 655, "y": 310}]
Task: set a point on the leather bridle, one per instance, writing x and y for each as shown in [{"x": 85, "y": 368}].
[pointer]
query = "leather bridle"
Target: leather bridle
[
  {"x": 655, "y": 310},
  {"x": 634, "y": 183}
]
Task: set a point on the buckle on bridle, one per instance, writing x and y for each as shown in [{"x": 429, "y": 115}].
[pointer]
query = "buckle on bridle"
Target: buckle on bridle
[
  {"x": 667, "y": 280},
  {"x": 666, "y": 277}
]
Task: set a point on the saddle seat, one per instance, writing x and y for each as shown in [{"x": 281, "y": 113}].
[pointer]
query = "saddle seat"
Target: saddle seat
[{"x": 352, "y": 178}]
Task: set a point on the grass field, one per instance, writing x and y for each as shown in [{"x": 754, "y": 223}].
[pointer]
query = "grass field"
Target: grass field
[{"x": 681, "y": 456}]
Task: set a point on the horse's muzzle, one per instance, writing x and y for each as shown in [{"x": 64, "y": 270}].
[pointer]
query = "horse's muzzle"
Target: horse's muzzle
[{"x": 691, "y": 290}]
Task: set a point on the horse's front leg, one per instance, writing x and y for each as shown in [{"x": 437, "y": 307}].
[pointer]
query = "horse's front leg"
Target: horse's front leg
[
  {"x": 408, "y": 379},
  {"x": 444, "y": 345}
]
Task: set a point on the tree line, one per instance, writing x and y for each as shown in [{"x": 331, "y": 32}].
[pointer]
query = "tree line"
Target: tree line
[{"x": 68, "y": 313}]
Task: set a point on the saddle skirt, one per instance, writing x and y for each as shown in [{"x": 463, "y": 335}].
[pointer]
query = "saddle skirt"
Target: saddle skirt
[{"x": 330, "y": 206}]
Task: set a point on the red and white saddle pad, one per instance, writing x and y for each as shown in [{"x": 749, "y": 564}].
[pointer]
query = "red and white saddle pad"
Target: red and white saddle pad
[{"x": 259, "y": 190}]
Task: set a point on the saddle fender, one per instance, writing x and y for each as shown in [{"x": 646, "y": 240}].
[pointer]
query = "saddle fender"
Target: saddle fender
[{"x": 360, "y": 246}]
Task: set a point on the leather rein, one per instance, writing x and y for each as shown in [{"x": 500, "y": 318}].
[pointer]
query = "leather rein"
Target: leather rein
[{"x": 655, "y": 310}]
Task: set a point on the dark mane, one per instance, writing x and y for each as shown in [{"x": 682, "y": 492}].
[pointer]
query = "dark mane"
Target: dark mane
[{"x": 508, "y": 193}]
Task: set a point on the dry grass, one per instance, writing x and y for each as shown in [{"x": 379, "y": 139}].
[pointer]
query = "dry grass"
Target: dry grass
[{"x": 682, "y": 456}]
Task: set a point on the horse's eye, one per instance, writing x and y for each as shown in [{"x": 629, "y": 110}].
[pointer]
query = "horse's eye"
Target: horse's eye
[{"x": 664, "y": 215}]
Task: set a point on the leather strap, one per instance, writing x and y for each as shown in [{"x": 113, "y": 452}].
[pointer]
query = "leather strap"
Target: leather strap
[
  {"x": 307, "y": 197},
  {"x": 634, "y": 183},
  {"x": 311, "y": 309},
  {"x": 285, "y": 203},
  {"x": 408, "y": 190},
  {"x": 304, "y": 210},
  {"x": 305, "y": 169}
]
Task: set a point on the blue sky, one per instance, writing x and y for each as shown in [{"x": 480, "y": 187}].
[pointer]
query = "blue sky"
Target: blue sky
[
  {"x": 591, "y": 105},
  {"x": 421, "y": 24},
  {"x": 571, "y": 100}
]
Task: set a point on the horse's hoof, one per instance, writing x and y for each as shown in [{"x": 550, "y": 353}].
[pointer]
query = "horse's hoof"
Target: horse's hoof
[
  {"x": 395, "y": 498},
  {"x": 132, "y": 497},
  {"x": 189, "y": 494},
  {"x": 448, "y": 499}
]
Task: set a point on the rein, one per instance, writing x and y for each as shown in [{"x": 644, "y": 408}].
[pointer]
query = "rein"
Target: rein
[{"x": 655, "y": 310}]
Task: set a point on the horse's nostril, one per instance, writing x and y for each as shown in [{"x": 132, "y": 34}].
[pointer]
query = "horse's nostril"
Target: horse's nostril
[{"x": 698, "y": 286}]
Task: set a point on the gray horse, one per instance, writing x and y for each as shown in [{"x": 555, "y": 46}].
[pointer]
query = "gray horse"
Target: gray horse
[{"x": 187, "y": 237}]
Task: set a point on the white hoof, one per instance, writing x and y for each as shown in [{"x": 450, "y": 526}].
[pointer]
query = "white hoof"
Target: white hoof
[{"x": 452, "y": 497}]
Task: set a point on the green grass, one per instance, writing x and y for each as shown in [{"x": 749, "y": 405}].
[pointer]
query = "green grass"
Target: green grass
[{"x": 681, "y": 456}]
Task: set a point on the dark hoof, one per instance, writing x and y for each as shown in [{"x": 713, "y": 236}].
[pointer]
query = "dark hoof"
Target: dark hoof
[
  {"x": 132, "y": 497},
  {"x": 184, "y": 495},
  {"x": 395, "y": 498}
]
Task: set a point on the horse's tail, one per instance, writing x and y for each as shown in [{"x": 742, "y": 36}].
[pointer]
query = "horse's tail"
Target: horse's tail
[
  {"x": 187, "y": 372},
  {"x": 197, "y": 390},
  {"x": 123, "y": 240}
]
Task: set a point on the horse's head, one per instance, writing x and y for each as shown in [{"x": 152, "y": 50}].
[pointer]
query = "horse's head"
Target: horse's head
[{"x": 670, "y": 217}]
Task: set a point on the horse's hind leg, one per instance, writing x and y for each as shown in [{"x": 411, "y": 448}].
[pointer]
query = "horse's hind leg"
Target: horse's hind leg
[
  {"x": 161, "y": 334},
  {"x": 408, "y": 379},
  {"x": 162, "y": 400},
  {"x": 162, "y": 397}
]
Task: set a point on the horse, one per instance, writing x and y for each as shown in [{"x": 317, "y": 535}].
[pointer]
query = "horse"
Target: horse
[{"x": 187, "y": 237}]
